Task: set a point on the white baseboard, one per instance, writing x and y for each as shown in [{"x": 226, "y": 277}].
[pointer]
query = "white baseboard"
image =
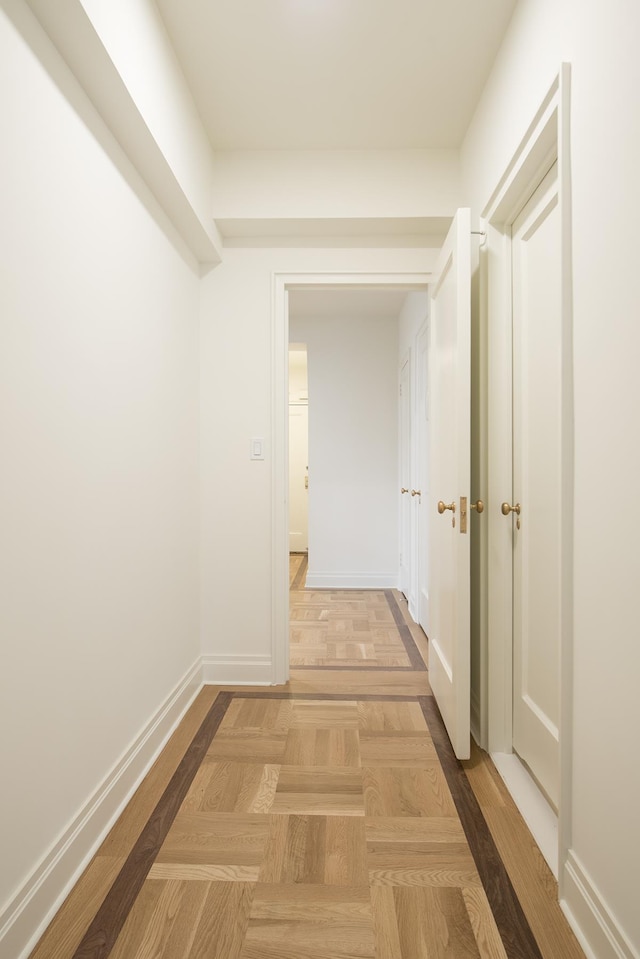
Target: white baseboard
[
  {"x": 320, "y": 580},
  {"x": 31, "y": 909},
  {"x": 534, "y": 808},
  {"x": 238, "y": 670},
  {"x": 589, "y": 916},
  {"x": 476, "y": 724}
]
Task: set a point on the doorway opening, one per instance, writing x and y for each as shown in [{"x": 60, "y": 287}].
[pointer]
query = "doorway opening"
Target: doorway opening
[
  {"x": 349, "y": 504},
  {"x": 351, "y": 340}
]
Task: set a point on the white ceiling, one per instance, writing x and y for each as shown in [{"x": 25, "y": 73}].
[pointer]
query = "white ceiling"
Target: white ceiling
[{"x": 336, "y": 74}]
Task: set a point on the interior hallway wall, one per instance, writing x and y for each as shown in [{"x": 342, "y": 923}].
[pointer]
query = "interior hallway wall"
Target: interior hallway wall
[
  {"x": 257, "y": 184},
  {"x": 600, "y": 44},
  {"x": 237, "y": 531},
  {"x": 99, "y": 439},
  {"x": 353, "y": 450}
]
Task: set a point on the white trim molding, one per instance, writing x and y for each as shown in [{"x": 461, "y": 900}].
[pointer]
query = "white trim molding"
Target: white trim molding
[
  {"x": 237, "y": 670},
  {"x": 322, "y": 580},
  {"x": 29, "y": 912},
  {"x": 589, "y": 916},
  {"x": 281, "y": 284}
]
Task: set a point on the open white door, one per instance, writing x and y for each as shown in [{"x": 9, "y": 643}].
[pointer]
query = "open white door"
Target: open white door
[
  {"x": 422, "y": 500},
  {"x": 405, "y": 479},
  {"x": 449, "y": 464}
]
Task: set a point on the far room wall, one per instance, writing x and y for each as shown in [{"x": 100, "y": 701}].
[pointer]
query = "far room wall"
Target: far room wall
[{"x": 353, "y": 449}]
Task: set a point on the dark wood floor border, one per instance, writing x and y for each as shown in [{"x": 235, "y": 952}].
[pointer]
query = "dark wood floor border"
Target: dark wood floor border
[
  {"x": 299, "y": 578},
  {"x": 415, "y": 658},
  {"x": 100, "y": 937},
  {"x": 513, "y": 926},
  {"x": 360, "y": 669},
  {"x": 328, "y": 697}
]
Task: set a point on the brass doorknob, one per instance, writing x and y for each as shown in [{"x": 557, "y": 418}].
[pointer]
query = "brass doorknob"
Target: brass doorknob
[
  {"x": 443, "y": 506},
  {"x": 416, "y": 492},
  {"x": 506, "y": 509},
  {"x": 479, "y": 506},
  {"x": 403, "y": 490}
]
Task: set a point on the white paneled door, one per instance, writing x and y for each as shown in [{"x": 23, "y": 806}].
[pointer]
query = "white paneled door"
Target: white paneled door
[
  {"x": 421, "y": 499},
  {"x": 406, "y": 544},
  {"x": 449, "y": 466},
  {"x": 537, "y": 495}
]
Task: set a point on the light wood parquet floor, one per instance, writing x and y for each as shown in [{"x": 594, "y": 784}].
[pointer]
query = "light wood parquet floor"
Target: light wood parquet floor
[
  {"x": 364, "y": 629},
  {"x": 327, "y": 819}
]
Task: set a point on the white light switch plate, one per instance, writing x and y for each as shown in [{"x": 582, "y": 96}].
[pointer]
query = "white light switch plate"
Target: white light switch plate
[{"x": 256, "y": 451}]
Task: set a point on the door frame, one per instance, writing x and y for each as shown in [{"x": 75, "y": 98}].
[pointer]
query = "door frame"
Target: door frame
[
  {"x": 281, "y": 284},
  {"x": 546, "y": 141}
]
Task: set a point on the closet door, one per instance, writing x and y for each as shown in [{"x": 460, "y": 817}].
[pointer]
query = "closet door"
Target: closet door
[{"x": 535, "y": 511}]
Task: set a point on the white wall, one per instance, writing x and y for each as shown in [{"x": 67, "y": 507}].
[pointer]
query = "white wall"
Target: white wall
[
  {"x": 98, "y": 486},
  {"x": 600, "y": 43},
  {"x": 121, "y": 55},
  {"x": 336, "y": 183},
  {"x": 237, "y": 529},
  {"x": 353, "y": 449}
]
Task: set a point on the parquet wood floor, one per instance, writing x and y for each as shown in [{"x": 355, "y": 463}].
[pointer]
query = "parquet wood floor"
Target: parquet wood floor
[
  {"x": 339, "y": 629},
  {"x": 327, "y": 819}
]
